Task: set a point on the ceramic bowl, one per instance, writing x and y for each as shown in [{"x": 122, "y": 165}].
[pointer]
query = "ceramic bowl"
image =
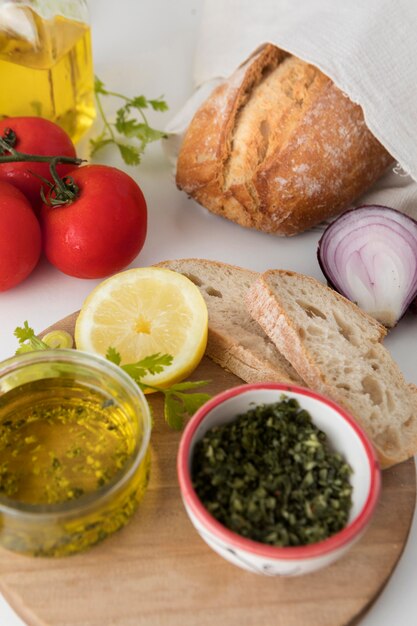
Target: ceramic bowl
[{"x": 344, "y": 435}]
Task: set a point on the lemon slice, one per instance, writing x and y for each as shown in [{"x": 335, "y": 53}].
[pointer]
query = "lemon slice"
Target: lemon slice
[{"x": 144, "y": 311}]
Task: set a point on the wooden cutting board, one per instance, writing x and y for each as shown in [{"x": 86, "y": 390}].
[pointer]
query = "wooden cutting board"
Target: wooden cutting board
[{"x": 158, "y": 572}]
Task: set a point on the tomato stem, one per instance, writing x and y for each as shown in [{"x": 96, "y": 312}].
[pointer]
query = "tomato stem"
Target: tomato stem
[{"x": 64, "y": 190}]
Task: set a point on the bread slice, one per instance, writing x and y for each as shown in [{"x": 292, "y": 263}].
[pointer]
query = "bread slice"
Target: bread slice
[
  {"x": 278, "y": 147},
  {"x": 235, "y": 340},
  {"x": 337, "y": 350}
]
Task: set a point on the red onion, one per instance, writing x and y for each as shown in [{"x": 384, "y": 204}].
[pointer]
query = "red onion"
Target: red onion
[{"x": 369, "y": 255}]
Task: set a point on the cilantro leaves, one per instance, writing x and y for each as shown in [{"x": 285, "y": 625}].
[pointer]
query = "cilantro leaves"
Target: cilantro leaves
[
  {"x": 127, "y": 126},
  {"x": 178, "y": 403},
  {"x": 28, "y": 340}
]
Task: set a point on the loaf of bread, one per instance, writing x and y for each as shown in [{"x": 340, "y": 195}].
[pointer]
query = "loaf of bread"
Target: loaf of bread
[
  {"x": 336, "y": 349},
  {"x": 235, "y": 340},
  {"x": 278, "y": 147}
]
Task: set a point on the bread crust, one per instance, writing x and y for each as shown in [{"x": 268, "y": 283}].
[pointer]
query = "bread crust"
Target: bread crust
[
  {"x": 224, "y": 348},
  {"x": 284, "y": 332},
  {"x": 302, "y": 166}
]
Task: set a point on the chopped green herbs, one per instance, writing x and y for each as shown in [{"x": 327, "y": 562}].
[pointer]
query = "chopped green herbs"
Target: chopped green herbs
[{"x": 271, "y": 477}]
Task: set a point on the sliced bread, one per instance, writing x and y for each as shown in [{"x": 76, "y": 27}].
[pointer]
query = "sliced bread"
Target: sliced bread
[
  {"x": 336, "y": 349},
  {"x": 235, "y": 340}
]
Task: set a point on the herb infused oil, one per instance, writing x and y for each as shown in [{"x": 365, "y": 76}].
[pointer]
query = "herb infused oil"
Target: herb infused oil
[{"x": 59, "y": 442}]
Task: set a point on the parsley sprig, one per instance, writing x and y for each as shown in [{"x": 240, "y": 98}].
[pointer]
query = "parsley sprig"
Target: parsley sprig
[
  {"x": 28, "y": 341},
  {"x": 127, "y": 133},
  {"x": 179, "y": 403}
]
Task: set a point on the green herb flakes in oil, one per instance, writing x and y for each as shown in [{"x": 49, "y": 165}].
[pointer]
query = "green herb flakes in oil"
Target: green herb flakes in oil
[
  {"x": 271, "y": 477},
  {"x": 60, "y": 440}
]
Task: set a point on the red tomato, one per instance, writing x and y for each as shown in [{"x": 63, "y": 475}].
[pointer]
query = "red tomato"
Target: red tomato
[
  {"x": 20, "y": 237},
  {"x": 35, "y": 135},
  {"x": 103, "y": 229}
]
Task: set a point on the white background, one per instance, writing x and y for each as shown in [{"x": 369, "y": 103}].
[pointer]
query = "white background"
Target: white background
[{"x": 147, "y": 46}]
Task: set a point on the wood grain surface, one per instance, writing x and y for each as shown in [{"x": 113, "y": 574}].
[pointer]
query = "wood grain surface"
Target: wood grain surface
[{"x": 158, "y": 572}]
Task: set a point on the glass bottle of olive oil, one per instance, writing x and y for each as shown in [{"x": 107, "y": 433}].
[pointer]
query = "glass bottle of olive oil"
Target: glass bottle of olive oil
[{"x": 46, "y": 64}]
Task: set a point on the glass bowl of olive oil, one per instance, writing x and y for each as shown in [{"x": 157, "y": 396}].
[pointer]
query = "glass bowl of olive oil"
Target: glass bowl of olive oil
[{"x": 74, "y": 451}]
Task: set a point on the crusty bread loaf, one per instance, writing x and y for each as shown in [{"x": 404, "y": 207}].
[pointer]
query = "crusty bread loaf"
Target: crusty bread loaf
[
  {"x": 336, "y": 349},
  {"x": 278, "y": 147},
  {"x": 235, "y": 340}
]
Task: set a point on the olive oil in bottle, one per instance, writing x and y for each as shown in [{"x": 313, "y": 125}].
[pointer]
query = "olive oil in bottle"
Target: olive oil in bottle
[{"x": 46, "y": 67}]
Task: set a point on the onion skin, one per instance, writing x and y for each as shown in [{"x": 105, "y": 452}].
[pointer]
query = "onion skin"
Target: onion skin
[{"x": 369, "y": 255}]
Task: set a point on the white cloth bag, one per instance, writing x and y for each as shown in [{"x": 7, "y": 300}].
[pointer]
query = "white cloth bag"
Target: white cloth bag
[{"x": 367, "y": 47}]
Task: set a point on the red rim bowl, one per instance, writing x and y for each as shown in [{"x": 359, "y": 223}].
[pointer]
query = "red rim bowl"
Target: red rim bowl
[{"x": 335, "y": 542}]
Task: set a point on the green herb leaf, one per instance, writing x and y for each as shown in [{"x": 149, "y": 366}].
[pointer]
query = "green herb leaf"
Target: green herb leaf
[
  {"x": 179, "y": 404},
  {"x": 131, "y": 128},
  {"x": 146, "y": 134},
  {"x": 24, "y": 347},
  {"x": 123, "y": 125},
  {"x": 158, "y": 104},
  {"x": 189, "y": 384},
  {"x": 24, "y": 332},
  {"x": 129, "y": 154},
  {"x": 139, "y": 102},
  {"x": 98, "y": 144},
  {"x": 174, "y": 412},
  {"x": 127, "y": 126},
  {"x": 99, "y": 86},
  {"x": 28, "y": 340},
  {"x": 113, "y": 355},
  {"x": 193, "y": 401},
  {"x": 152, "y": 364}
]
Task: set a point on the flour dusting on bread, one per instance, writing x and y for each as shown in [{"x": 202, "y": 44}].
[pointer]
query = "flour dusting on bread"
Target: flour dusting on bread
[{"x": 278, "y": 147}]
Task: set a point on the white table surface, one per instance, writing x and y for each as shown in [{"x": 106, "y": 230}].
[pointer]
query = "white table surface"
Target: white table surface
[{"x": 147, "y": 47}]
